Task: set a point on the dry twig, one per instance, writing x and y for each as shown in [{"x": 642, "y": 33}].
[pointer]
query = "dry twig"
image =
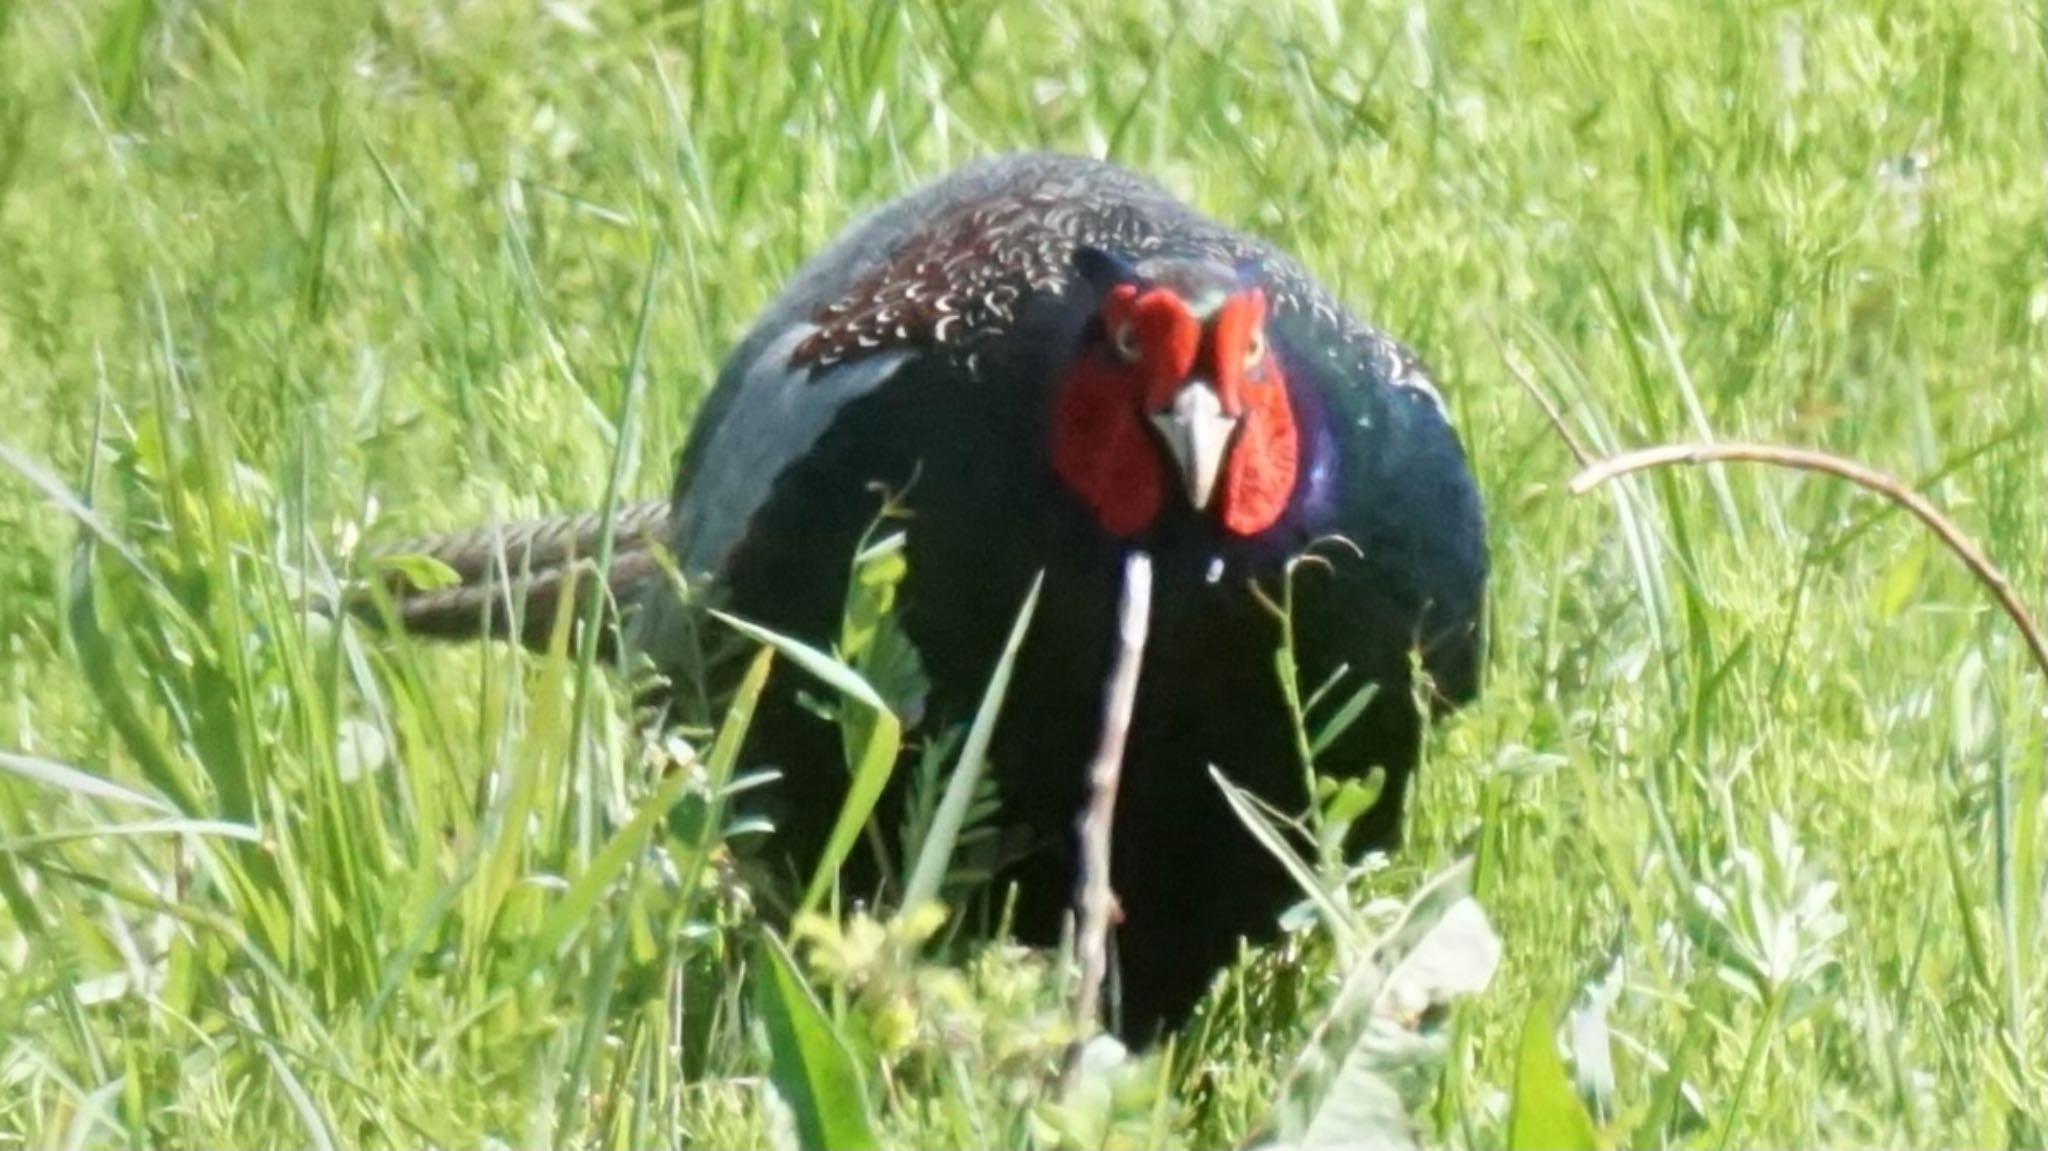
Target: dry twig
[
  {"x": 1870, "y": 479},
  {"x": 1095, "y": 898}
]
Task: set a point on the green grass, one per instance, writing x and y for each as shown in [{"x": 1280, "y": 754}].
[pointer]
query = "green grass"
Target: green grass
[{"x": 1754, "y": 756}]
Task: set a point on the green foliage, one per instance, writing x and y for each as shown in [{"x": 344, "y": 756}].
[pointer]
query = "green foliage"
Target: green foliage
[
  {"x": 1752, "y": 767},
  {"x": 875, "y": 741},
  {"x": 812, "y": 1070},
  {"x": 1546, "y": 1114},
  {"x": 424, "y": 573},
  {"x": 1378, "y": 1053}
]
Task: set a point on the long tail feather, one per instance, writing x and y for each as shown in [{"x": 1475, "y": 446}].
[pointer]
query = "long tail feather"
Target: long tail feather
[{"x": 515, "y": 578}]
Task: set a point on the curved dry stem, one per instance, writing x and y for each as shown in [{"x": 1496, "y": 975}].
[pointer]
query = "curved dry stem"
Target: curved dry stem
[{"x": 1870, "y": 479}]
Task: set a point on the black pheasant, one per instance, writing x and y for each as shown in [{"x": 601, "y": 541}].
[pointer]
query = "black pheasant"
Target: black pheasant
[{"x": 1053, "y": 362}]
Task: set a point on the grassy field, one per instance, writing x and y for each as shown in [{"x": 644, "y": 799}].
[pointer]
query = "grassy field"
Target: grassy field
[{"x": 1756, "y": 786}]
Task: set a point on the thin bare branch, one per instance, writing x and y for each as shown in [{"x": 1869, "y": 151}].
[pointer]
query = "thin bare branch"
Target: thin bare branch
[
  {"x": 1550, "y": 409},
  {"x": 1096, "y": 898},
  {"x": 1870, "y": 479}
]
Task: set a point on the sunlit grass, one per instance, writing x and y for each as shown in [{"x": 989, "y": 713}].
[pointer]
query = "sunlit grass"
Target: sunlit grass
[{"x": 1758, "y": 772}]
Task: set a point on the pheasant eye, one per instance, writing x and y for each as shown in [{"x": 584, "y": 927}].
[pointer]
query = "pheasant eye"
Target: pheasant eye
[
  {"x": 1125, "y": 338},
  {"x": 1255, "y": 348}
]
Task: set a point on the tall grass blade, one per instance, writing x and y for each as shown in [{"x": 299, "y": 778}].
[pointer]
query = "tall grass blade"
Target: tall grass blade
[
  {"x": 936, "y": 852},
  {"x": 873, "y": 763},
  {"x": 65, "y": 778},
  {"x": 811, "y": 1069},
  {"x": 1334, "y": 909}
]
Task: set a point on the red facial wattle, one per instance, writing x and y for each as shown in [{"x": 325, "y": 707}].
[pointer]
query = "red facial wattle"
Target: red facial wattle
[
  {"x": 1259, "y": 475},
  {"x": 1153, "y": 352},
  {"x": 1102, "y": 450}
]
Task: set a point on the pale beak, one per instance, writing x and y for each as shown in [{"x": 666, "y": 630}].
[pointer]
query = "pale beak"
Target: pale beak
[{"x": 1197, "y": 432}]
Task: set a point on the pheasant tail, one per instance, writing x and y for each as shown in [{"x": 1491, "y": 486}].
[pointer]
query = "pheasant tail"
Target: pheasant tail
[{"x": 515, "y": 580}]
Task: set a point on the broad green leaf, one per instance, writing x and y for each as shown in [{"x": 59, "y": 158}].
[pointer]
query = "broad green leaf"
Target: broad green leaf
[
  {"x": 422, "y": 572},
  {"x": 872, "y": 640},
  {"x": 1375, "y": 1057},
  {"x": 873, "y": 643},
  {"x": 811, "y": 1069},
  {"x": 1307, "y": 1083},
  {"x": 1362, "y": 1107},
  {"x": 1456, "y": 956},
  {"x": 1339, "y": 804},
  {"x": 871, "y": 596},
  {"x": 1343, "y": 800},
  {"x": 1546, "y": 1114}
]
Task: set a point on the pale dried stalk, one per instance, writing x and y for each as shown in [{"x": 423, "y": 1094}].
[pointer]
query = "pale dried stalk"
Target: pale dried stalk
[
  {"x": 1864, "y": 477},
  {"x": 1096, "y": 899}
]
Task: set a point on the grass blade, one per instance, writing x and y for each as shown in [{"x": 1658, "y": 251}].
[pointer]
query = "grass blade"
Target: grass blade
[
  {"x": 937, "y": 850},
  {"x": 578, "y": 903},
  {"x": 870, "y": 776},
  {"x": 1262, "y": 827},
  {"x": 109, "y": 831},
  {"x": 829, "y": 671},
  {"x": 811, "y": 1069},
  {"x": 71, "y": 779},
  {"x": 873, "y": 764},
  {"x": 1546, "y": 1114}
]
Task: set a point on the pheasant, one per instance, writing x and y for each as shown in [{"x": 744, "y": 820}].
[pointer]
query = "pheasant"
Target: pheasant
[{"x": 1050, "y": 361}]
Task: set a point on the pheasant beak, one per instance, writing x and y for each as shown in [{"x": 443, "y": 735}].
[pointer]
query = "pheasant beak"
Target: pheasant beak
[{"x": 1197, "y": 431}]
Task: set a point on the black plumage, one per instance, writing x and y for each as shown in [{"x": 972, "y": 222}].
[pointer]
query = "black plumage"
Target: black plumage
[{"x": 925, "y": 352}]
